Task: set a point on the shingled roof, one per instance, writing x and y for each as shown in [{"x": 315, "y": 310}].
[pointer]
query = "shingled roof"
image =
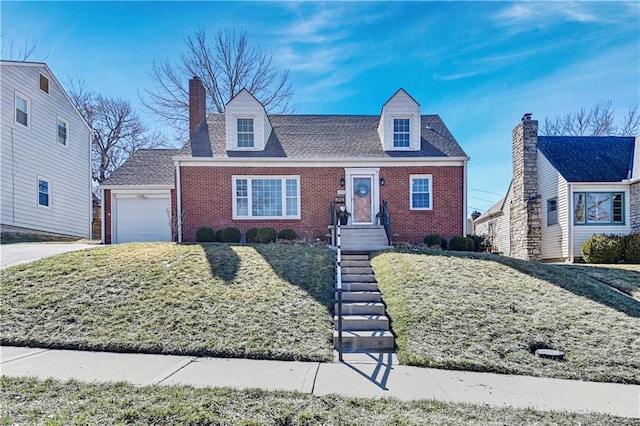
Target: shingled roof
[
  {"x": 324, "y": 136},
  {"x": 589, "y": 158},
  {"x": 146, "y": 167}
]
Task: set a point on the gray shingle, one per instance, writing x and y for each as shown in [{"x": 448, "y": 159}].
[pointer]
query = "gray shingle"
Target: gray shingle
[
  {"x": 146, "y": 167},
  {"x": 324, "y": 136},
  {"x": 589, "y": 158}
]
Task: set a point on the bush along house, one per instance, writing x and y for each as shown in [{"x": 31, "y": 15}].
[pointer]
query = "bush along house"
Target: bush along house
[{"x": 247, "y": 169}]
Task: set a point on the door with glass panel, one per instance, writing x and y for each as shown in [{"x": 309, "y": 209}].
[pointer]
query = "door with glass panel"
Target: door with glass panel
[{"x": 362, "y": 199}]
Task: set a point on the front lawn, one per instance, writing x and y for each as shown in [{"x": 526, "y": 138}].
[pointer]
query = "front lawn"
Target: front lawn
[
  {"x": 263, "y": 301},
  {"x": 490, "y": 313},
  {"x": 31, "y": 401}
]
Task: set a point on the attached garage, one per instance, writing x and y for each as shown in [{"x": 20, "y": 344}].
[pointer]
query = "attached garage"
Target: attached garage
[{"x": 141, "y": 218}]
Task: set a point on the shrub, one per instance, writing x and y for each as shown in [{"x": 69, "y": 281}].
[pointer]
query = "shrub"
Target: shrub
[
  {"x": 632, "y": 248},
  {"x": 287, "y": 234},
  {"x": 205, "y": 234},
  {"x": 435, "y": 240},
  {"x": 601, "y": 248},
  {"x": 266, "y": 235},
  {"x": 251, "y": 235},
  {"x": 460, "y": 243},
  {"x": 481, "y": 243},
  {"x": 229, "y": 235}
]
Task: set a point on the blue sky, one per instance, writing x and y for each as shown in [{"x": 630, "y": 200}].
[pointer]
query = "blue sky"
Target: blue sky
[{"x": 479, "y": 65}]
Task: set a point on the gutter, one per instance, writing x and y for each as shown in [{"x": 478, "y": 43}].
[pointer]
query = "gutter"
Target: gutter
[
  {"x": 571, "y": 257},
  {"x": 464, "y": 200},
  {"x": 178, "y": 201}
]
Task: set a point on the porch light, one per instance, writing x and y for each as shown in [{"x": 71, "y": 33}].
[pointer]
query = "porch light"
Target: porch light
[
  {"x": 381, "y": 181},
  {"x": 341, "y": 181}
]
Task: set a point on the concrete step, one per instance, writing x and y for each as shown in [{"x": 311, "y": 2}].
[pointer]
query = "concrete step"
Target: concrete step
[
  {"x": 360, "y": 341},
  {"x": 359, "y": 286},
  {"x": 355, "y": 263},
  {"x": 362, "y": 322},
  {"x": 357, "y": 270},
  {"x": 358, "y": 278},
  {"x": 360, "y": 296},
  {"x": 360, "y": 308},
  {"x": 355, "y": 257}
]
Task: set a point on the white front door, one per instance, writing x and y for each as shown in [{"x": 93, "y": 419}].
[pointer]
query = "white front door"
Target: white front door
[{"x": 362, "y": 196}]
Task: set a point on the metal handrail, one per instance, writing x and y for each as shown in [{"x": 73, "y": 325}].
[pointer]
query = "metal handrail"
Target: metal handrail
[
  {"x": 339, "y": 288},
  {"x": 386, "y": 220}
]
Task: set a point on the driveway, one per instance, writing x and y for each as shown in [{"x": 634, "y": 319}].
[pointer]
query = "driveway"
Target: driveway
[{"x": 19, "y": 253}]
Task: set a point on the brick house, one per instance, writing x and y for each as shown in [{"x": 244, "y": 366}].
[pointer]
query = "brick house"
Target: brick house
[
  {"x": 250, "y": 169},
  {"x": 564, "y": 189}
]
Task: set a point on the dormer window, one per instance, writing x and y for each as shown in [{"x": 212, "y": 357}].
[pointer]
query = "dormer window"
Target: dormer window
[
  {"x": 245, "y": 132},
  {"x": 401, "y": 133}
]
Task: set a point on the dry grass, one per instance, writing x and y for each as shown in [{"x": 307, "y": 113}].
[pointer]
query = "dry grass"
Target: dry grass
[
  {"x": 624, "y": 277},
  {"x": 263, "y": 301},
  {"x": 29, "y": 401},
  {"x": 489, "y": 313}
]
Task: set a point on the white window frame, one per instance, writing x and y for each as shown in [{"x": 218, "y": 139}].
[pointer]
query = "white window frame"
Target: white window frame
[
  {"x": 249, "y": 178},
  {"x": 48, "y": 83},
  {"x": 28, "y": 112},
  {"x": 237, "y": 133},
  {"x": 411, "y": 178},
  {"x": 43, "y": 179},
  {"x": 393, "y": 132},
  {"x": 66, "y": 122},
  {"x": 552, "y": 220}
]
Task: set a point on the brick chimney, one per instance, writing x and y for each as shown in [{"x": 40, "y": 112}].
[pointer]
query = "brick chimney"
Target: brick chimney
[
  {"x": 197, "y": 103},
  {"x": 525, "y": 221}
]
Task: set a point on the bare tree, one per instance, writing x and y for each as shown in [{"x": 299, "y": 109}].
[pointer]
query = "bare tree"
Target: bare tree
[
  {"x": 225, "y": 66},
  {"x": 26, "y": 52},
  {"x": 118, "y": 131},
  {"x": 598, "y": 121}
]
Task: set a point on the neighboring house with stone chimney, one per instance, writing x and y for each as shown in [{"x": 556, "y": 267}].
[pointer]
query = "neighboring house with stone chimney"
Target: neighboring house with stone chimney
[
  {"x": 564, "y": 189},
  {"x": 45, "y": 152},
  {"x": 246, "y": 168}
]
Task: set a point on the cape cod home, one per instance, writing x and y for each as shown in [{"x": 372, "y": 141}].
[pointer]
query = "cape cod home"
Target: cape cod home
[
  {"x": 249, "y": 169},
  {"x": 46, "y": 155},
  {"x": 564, "y": 189}
]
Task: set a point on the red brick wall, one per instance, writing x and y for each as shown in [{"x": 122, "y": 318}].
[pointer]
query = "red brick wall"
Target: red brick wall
[
  {"x": 207, "y": 200},
  {"x": 106, "y": 205}
]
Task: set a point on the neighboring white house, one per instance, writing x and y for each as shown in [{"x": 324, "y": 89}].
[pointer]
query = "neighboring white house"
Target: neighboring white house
[
  {"x": 564, "y": 189},
  {"x": 46, "y": 155}
]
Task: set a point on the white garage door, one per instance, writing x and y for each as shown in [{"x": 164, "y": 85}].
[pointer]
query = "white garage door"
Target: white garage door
[{"x": 142, "y": 219}]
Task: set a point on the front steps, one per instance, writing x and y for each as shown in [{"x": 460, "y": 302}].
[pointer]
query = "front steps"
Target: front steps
[
  {"x": 363, "y": 237},
  {"x": 365, "y": 325}
]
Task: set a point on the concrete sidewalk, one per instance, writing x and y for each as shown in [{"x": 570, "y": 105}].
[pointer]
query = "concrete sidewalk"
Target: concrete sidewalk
[
  {"x": 20, "y": 253},
  {"x": 362, "y": 375}
]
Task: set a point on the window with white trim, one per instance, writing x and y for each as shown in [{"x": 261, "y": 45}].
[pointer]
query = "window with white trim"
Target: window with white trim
[
  {"x": 44, "y": 83},
  {"x": 244, "y": 128},
  {"x": 22, "y": 110},
  {"x": 552, "y": 211},
  {"x": 401, "y": 132},
  {"x": 62, "y": 131},
  {"x": 421, "y": 192},
  {"x": 598, "y": 208},
  {"x": 266, "y": 197},
  {"x": 44, "y": 192}
]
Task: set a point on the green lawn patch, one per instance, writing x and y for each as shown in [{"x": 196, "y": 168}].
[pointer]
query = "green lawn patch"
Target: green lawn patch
[
  {"x": 30, "y": 401},
  {"x": 263, "y": 301},
  {"x": 490, "y": 313}
]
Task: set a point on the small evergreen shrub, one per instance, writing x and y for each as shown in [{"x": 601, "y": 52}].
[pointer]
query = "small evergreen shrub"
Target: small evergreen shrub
[
  {"x": 287, "y": 234},
  {"x": 471, "y": 245},
  {"x": 460, "y": 243},
  {"x": 205, "y": 234},
  {"x": 251, "y": 235},
  {"x": 632, "y": 248},
  {"x": 601, "y": 248},
  {"x": 229, "y": 235},
  {"x": 481, "y": 243},
  {"x": 266, "y": 235},
  {"x": 435, "y": 241}
]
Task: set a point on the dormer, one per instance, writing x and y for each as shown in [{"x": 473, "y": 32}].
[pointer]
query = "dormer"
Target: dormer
[
  {"x": 399, "y": 126},
  {"x": 247, "y": 124}
]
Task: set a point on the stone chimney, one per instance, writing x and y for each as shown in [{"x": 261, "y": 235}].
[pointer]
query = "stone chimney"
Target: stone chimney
[
  {"x": 476, "y": 214},
  {"x": 197, "y": 103},
  {"x": 525, "y": 220}
]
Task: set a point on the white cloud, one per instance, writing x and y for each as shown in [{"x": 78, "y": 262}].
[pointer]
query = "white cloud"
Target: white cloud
[{"x": 544, "y": 13}]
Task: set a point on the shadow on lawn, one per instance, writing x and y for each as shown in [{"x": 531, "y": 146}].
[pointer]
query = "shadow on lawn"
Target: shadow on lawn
[
  {"x": 311, "y": 269},
  {"x": 579, "y": 284}
]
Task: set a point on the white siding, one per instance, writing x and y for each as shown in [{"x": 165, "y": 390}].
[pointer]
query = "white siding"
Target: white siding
[
  {"x": 244, "y": 105},
  {"x": 554, "y": 235},
  {"x": 582, "y": 232},
  {"x": 500, "y": 233},
  {"x": 401, "y": 105},
  {"x": 563, "y": 214},
  {"x": 29, "y": 153}
]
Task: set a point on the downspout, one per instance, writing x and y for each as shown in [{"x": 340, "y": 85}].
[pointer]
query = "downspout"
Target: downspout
[
  {"x": 570, "y": 222},
  {"x": 178, "y": 201},
  {"x": 102, "y": 217},
  {"x": 464, "y": 200}
]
